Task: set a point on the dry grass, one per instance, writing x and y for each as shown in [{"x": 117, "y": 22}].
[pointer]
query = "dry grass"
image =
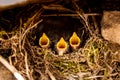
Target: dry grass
[{"x": 94, "y": 61}]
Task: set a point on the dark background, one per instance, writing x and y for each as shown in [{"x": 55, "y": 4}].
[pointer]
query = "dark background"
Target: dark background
[{"x": 9, "y": 17}]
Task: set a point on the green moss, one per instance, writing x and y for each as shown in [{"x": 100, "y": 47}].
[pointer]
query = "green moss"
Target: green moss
[
  {"x": 66, "y": 66},
  {"x": 94, "y": 50}
]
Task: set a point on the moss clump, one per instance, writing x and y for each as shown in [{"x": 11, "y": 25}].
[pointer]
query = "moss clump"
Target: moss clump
[{"x": 66, "y": 66}]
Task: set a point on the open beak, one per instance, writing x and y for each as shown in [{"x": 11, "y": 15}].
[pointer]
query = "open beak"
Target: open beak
[
  {"x": 61, "y": 46},
  {"x": 44, "y": 41},
  {"x": 74, "y": 41}
]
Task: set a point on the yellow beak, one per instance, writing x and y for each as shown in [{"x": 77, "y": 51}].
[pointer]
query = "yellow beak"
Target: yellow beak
[
  {"x": 44, "y": 41},
  {"x": 61, "y": 46},
  {"x": 74, "y": 41}
]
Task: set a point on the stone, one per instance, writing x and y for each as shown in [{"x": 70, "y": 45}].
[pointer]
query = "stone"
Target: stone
[{"x": 110, "y": 26}]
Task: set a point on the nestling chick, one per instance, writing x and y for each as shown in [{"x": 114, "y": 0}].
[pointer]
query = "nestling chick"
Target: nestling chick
[
  {"x": 61, "y": 46},
  {"x": 74, "y": 41},
  {"x": 44, "y": 41}
]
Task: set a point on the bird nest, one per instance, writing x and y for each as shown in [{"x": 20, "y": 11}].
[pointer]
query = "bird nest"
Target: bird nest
[{"x": 92, "y": 60}]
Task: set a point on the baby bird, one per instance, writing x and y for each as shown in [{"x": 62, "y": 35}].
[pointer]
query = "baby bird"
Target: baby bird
[
  {"x": 44, "y": 41},
  {"x": 74, "y": 41},
  {"x": 61, "y": 46}
]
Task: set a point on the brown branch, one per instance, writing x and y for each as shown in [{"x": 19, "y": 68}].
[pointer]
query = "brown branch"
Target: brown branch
[{"x": 88, "y": 14}]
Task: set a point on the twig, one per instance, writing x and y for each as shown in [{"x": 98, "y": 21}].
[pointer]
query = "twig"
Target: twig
[
  {"x": 56, "y": 7},
  {"x": 27, "y": 67},
  {"x": 72, "y": 15},
  {"x": 50, "y": 75},
  {"x": 43, "y": 77},
  {"x": 31, "y": 28},
  {"x": 98, "y": 76}
]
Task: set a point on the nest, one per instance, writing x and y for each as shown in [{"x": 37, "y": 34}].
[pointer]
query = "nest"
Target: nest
[{"x": 93, "y": 60}]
